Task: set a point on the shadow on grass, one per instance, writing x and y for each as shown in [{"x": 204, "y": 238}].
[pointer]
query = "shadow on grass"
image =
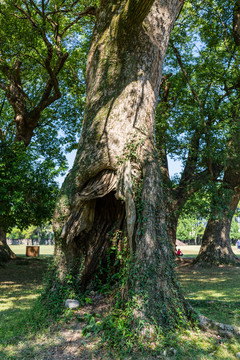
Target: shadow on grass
[
  {"x": 71, "y": 345},
  {"x": 213, "y": 292},
  {"x": 24, "y": 270},
  {"x": 20, "y": 284},
  {"x": 28, "y": 332},
  {"x": 227, "y": 312},
  {"x": 220, "y": 282}
]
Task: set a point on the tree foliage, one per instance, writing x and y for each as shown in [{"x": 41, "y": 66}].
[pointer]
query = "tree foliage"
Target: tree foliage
[
  {"x": 235, "y": 226},
  {"x": 42, "y": 59},
  {"x": 42, "y": 92},
  {"x": 197, "y": 117},
  {"x": 190, "y": 228},
  {"x": 27, "y": 187},
  {"x": 36, "y": 233}
]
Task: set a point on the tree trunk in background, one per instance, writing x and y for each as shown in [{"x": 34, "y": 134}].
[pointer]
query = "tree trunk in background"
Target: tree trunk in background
[
  {"x": 115, "y": 181},
  {"x": 6, "y": 253},
  {"x": 173, "y": 207},
  {"x": 216, "y": 243}
]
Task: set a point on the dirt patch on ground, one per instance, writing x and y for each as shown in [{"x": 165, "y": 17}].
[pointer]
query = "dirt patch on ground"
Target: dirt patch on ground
[
  {"x": 65, "y": 341},
  {"x": 69, "y": 343}
]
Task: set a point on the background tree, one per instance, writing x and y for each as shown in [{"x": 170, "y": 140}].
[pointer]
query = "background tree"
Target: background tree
[
  {"x": 216, "y": 244},
  {"x": 190, "y": 230},
  {"x": 235, "y": 227},
  {"x": 42, "y": 234},
  {"x": 198, "y": 106},
  {"x": 184, "y": 122},
  {"x": 27, "y": 191},
  {"x": 37, "y": 39}
]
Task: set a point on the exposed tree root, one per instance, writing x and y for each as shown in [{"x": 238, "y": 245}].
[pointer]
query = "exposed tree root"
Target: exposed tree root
[
  {"x": 222, "y": 329},
  {"x": 218, "y": 262}
]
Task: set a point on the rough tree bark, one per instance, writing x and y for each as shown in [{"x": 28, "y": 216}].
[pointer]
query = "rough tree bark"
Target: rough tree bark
[
  {"x": 115, "y": 181},
  {"x": 5, "y": 251}
]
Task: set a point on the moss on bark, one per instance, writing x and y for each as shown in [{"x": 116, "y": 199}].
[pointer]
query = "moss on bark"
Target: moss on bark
[{"x": 118, "y": 138}]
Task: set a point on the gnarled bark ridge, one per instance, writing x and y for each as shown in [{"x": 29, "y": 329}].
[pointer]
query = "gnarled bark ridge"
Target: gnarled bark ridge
[{"x": 115, "y": 181}]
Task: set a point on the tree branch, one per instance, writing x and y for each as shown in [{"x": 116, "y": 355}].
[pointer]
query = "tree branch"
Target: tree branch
[
  {"x": 28, "y": 15},
  {"x": 66, "y": 10},
  {"x": 19, "y": 17},
  {"x": 36, "y": 8},
  {"x": 236, "y": 23},
  {"x": 1, "y": 109},
  {"x": 2, "y": 135},
  {"x": 46, "y": 99},
  {"x": 225, "y": 40},
  {"x": 194, "y": 93},
  {"x": 191, "y": 163},
  {"x": 88, "y": 11},
  {"x": 53, "y": 60},
  {"x": 134, "y": 12}
]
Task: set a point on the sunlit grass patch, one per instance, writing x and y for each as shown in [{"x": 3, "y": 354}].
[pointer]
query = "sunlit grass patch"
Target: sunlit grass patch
[
  {"x": 19, "y": 288},
  {"x": 45, "y": 250},
  {"x": 193, "y": 250},
  {"x": 214, "y": 292}
]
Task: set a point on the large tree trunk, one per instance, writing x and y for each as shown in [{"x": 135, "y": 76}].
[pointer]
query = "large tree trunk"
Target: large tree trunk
[
  {"x": 115, "y": 181},
  {"x": 216, "y": 243},
  {"x": 6, "y": 253}
]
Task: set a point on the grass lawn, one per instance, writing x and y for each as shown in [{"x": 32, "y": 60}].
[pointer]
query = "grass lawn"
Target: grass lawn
[
  {"x": 193, "y": 250},
  {"x": 188, "y": 250},
  {"x": 20, "y": 284},
  {"x": 213, "y": 292},
  {"x": 20, "y": 250}
]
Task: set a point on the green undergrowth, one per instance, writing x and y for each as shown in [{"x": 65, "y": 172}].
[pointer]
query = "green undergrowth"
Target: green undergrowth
[
  {"x": 117, "y": 341},
  {"x": 212, "y": 292},
  {"x": 32, "y": 317}
]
